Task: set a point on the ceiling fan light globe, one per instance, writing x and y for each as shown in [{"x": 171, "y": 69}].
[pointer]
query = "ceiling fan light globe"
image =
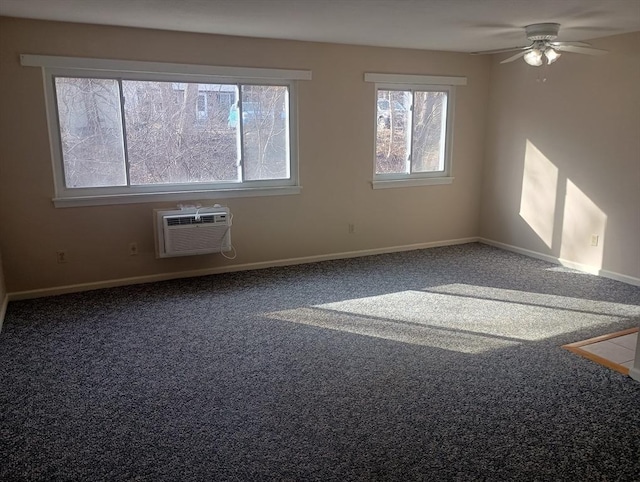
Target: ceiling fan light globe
[
  {"x": 533, "y": 58},
  {"x": 551, "y": 55}
]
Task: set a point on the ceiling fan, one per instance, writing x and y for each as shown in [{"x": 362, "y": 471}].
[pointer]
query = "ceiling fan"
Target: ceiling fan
[{"x": 544, "y": 46}]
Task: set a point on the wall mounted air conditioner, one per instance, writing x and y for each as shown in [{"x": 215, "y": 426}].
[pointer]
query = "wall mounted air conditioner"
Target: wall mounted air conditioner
[{"x": 191, "y": 231}]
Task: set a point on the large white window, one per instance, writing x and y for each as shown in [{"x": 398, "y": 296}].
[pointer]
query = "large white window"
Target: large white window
[
  {"x": 124, "y": 131},
  {"x": 414, "y": 129}
]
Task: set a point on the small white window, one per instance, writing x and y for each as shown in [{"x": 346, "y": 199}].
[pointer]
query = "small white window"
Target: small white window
[
  {"x": 136, "y": 129},
  {"x": 414, "y": 122}
]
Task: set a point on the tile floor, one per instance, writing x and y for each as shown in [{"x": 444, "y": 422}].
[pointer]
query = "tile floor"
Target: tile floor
[{"x": 616, "y": 351}]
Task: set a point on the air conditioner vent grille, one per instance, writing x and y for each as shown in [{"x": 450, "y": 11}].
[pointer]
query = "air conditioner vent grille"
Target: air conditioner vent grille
[{"x": 185, "y": 220}]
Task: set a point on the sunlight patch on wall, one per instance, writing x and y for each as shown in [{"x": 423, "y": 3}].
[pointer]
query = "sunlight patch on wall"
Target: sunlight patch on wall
[
  {"x": 582, "y": 220},
  {"x": 458, "y": 317},
  {"x": 539, "y": 188}
]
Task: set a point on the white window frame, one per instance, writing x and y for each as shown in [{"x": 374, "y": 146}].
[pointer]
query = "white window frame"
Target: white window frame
[
  {"x": 53, "y": 67},
  {"x": 413, "y": 83}
]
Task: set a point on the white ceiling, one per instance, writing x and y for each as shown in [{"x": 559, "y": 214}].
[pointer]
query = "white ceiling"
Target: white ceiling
[{"x": 454, "y": 25}]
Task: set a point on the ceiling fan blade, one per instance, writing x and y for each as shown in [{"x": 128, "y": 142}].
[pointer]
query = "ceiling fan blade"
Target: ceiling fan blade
[
  {"x": 499, "y": 51},
  {"x": 580, "y": 50},
  {"x": 514, "y": 57},
  {"x": 575, "y": 44}
]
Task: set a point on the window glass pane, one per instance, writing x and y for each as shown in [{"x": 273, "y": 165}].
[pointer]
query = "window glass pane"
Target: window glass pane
[
  {"x": 429, "y": 131},
  {"x": 90, "y": 132},
  {"x": 180, "y": 132},
  {"x": 265, "y": 120},
  {"x": 393, "y": 131}
]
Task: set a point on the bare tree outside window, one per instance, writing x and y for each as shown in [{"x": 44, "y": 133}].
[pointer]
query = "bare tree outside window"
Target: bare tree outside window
[
  {"x": 172, "y": 132},
  {"x": 393, "y": 131},
  {"x": 411, "y": 130},
  {"x": 178, "y": 133},
  {"x": 90, "y": 132},
  {"x": 264, "y": 122},
  {"x": 428, "y": 138}
]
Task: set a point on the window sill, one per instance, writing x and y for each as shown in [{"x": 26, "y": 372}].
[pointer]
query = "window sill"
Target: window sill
[
  {"x": 425, "y": 181},
  {"x": 104, "y": 200}
]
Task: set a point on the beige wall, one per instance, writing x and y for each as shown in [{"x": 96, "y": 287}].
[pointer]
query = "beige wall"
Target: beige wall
[
  {"x": 563, "y": 157},
  {"x": 3, "y": 290},
  {"x": 336, "y": 139}
]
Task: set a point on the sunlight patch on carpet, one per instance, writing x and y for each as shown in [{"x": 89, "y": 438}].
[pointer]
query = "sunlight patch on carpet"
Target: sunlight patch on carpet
[
  {"x": 396, "y": 330},
  {"x": 463, "y": 318}
]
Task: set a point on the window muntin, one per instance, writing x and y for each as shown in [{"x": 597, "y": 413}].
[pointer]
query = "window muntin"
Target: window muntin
[{"x": 413, "y": 131}]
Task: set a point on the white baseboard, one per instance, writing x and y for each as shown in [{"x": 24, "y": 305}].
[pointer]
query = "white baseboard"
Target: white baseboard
[
  {"x": 60, "y": 290},
  {"x": 564, "y": 262},
  {"x": 635, "y": 373},
  {"x": 619, "y": 277}
]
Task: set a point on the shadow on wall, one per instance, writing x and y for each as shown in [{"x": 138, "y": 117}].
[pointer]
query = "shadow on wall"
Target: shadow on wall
[{"x": 563, "y": 217}]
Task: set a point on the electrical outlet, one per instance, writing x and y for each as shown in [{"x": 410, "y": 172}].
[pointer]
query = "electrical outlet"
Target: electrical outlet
[
  {"x": 62, "y": 257},
  {"x": 133, "y": 249},
  {"x": 594, "y": 239},
  {"x": 352, "y": 228}
]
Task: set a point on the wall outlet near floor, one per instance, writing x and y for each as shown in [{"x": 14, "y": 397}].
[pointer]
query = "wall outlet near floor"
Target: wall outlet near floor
[
  {"x": 62, "y": 256},
  {"x": 133, "y": 249},
  {"x": 594, "y": 239},
  {"x": 352, "y": 228}
]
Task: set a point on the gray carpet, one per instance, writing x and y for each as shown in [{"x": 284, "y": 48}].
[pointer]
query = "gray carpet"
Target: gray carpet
[{"x": 440, "y": 364}]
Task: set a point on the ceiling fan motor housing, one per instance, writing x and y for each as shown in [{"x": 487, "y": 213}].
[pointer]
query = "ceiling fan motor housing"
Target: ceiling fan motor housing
[{"x": 542, "y": 31}]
